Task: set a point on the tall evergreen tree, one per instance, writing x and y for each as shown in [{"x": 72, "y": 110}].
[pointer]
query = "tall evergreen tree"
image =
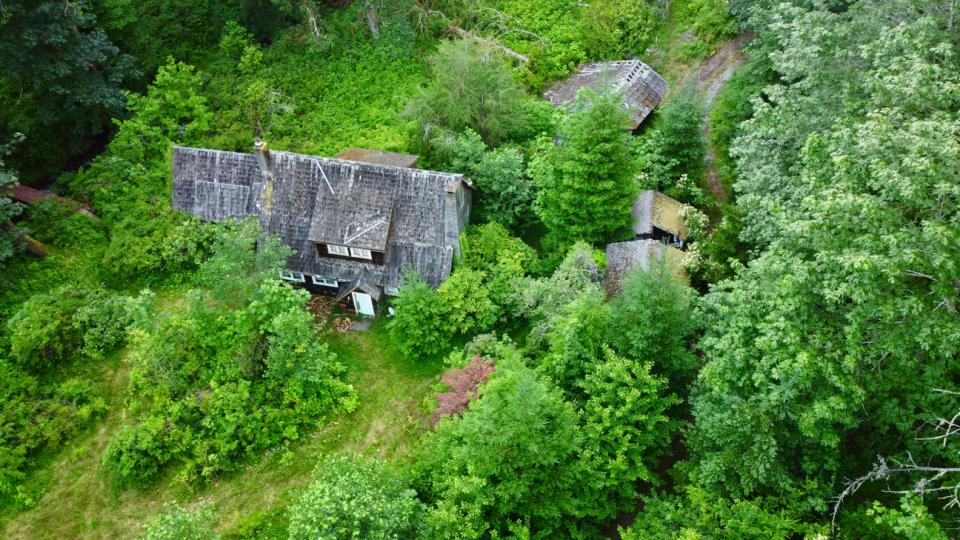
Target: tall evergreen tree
[
  {"x": 59, "y": 80},
  {"x": 587, "y": 179}
]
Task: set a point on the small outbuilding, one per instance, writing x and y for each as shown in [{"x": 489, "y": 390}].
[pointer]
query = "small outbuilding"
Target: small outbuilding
[
  {"x": 642, "y": 87},
  {"x": 658, "y": 218},
  {"x": 659, "y": 232}
]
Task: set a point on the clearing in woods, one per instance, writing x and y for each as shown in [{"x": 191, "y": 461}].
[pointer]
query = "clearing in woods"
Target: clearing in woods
[{"x": 80, "y": 503}]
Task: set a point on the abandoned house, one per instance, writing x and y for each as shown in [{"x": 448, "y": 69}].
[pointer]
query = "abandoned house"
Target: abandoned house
[
  {"x": 658, "y": 230},
  {"x": 356, "y": 222},
  {"x": 642, "y": 87}
]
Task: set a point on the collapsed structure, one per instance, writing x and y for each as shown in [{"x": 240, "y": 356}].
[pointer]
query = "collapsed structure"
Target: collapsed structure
[
  {"x": 356, "y": 226},
  {"x": 642, "y": 87}
]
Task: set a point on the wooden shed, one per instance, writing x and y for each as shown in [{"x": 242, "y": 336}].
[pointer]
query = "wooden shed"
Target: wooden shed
[{"x": 642, "y": 87}]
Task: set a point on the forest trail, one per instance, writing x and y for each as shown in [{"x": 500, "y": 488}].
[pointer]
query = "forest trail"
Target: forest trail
[{"x": 712, "y": 76}]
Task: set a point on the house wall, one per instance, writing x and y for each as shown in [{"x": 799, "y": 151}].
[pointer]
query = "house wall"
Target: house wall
[{"x": 456, "y": 215}]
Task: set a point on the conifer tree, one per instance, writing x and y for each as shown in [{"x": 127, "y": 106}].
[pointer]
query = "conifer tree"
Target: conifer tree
[{"x": 587, "y": 179}]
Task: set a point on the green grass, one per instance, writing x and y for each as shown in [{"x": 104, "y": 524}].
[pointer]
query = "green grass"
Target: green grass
[{"x": 79, "y": 501}]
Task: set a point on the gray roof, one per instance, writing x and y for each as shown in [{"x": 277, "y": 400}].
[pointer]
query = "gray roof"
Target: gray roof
[
  {"x": 642, "y": 211},
  {"x": 306, "y": 199},
  {"x": 622, "y": 257},
  {"x": 363, "y": 281},
  {"x": 642, "y": 87},
  {"x": 379, "y": 157}
]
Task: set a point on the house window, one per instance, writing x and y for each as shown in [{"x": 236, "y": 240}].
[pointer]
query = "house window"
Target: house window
[
  {"x": 320, "y": 280},
  {"x": 391, "y": 291},
  {"x": 291, "y": 276},
  {"x": 338, "y": 250},
  {"x": 460, "y": 194},
  {"x": 360, "y": 253}
]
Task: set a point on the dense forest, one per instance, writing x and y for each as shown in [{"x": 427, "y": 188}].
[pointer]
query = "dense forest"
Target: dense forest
[{"x": 796, "y": 375}]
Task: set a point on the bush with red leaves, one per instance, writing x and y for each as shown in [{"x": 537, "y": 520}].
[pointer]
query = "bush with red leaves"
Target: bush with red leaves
[{"x": 463, "y": 385}]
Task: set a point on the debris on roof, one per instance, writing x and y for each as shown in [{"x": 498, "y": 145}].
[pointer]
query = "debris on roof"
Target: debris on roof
[
  {"x": 642, "y": 87},
  {"x": 308, "y": 201},
  {"x": 378, "y": 157},
  {"x": 623, "y": 257}
]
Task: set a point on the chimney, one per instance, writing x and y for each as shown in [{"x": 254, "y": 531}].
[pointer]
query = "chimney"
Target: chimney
[{"x": 262, "y": 152}]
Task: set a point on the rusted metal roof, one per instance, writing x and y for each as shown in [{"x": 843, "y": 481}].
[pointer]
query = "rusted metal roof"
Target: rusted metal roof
[
  {"x": 378, "y": 157},
  {"x": 28, "y": 195}
]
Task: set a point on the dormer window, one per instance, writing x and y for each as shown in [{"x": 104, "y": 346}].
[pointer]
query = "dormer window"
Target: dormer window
[
  {"x": 361, "y": 253},
  {"x": 338, "y": 250}
]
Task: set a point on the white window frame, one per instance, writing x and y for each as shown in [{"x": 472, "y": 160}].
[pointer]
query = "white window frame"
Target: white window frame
[
  {"x": 334, "y": 249},
  {"x": 391, "y": 291},
  {"x": 326, "y": 282},
  {"x": 292, "y": 276},
  {"x": 360, "y": 253}
]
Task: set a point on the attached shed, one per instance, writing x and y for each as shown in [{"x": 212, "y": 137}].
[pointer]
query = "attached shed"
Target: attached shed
[
  {"x": 356, "y": 226},
  {"x": 658, "y": 218},
  {"x": 642, "y": 87},
  {"x": 623, "y": 257}
]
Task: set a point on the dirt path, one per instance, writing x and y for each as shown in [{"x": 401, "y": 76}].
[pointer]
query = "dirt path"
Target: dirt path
[
  {"x": 711, "y": 76},
  {"x": 715, "y": 73}
]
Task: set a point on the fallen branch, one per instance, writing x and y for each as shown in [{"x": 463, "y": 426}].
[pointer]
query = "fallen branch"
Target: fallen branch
[{"x": 507, "y": 51}]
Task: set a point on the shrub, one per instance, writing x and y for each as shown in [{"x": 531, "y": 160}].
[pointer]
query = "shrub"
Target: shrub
[
  {"x": 34, "y": 417},
  {"x": 611, "y": 28},
  {"x": 464, "y": 384},
  {"x": 587, "y": 181},
  {"x": 653, "y": 321},
  {"x": 418, "y": 326},
  {"x": 673, "y": 148},
  {"x": 351, "y": 498},
  {"x": 176, "y": 523},
  {"x": 513, "y": 454},
  {"x": 234, "y": 372},
  {"x": 471, "y": 88},
  {"x": 51, "y": 327},
  {"x": 466, "y": 302},
  {"x": 506, "y": 194}
]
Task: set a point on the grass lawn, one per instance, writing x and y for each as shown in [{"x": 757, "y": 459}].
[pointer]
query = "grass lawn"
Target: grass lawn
[{"x": 79, "y": 501}]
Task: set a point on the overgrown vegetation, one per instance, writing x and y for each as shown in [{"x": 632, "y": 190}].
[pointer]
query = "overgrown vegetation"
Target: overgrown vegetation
[{"x": 151, "y": 357}]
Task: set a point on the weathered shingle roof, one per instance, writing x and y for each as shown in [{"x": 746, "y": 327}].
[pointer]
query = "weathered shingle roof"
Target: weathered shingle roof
[
  {"x": 642, "y": 87},
  {"x": 307, "y": 199},
  {"x": 379, "y": 157},
  {"x": 364, "y": 282},
  {"x": 653, "y": 208},
  {"x": 623, "y": 257}
]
